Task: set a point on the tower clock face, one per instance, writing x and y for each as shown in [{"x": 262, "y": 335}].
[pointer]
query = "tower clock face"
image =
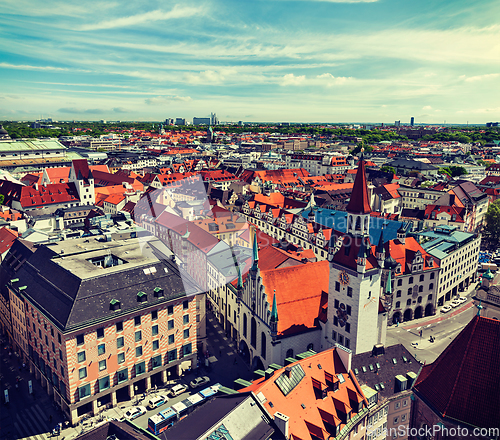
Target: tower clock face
[{"x": 344, "y": 277}]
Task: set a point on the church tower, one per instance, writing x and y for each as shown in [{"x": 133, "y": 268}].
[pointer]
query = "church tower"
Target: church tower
[{"x": 354, "y": 313}]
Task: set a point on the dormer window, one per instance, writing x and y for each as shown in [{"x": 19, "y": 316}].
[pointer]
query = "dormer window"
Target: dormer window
[
  {"x": 142, "y": 296},
  {"x": 114, "y": 304},
  {"x": 158, "y": 292}
]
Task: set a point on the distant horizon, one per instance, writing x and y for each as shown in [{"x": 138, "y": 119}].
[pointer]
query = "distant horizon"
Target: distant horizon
[{"x": 263, "y": 60}]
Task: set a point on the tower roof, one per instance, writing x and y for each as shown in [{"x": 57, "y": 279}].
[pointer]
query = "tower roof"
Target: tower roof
[
  {"x": 359, "y": 202},
  {"x": 380, "y": 246},
  {"x": 255, "y": 252},
  {"x": 463, "y": 383},
  {"x": 274, "y": 312}
]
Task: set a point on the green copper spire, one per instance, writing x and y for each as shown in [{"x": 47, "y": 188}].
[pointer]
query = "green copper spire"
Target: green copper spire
[
  {"x": 479, "y": 308},
  {"x": 388, "y": 285},
  {"x": 240, "y": 279},
  {"x": 274, "y": 312},
  {"x": 255, "y": 252}
]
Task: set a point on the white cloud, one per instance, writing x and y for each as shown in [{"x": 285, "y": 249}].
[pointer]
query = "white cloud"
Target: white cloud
[
  {"x": 480, "y": 77},
  {"x": 161, "y": 100},
  {"x": 148, "y": 17},
  {"x": 28, "y": 67},
  {"x": 426, "y": 107},
  {"x": 291, "y": 80},
  {"x": 329, "y": 80}
]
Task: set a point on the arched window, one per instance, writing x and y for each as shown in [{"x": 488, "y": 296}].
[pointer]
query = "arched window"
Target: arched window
[
  {"x": 431, "y": 286},
  {"x": 419, "y": 300},
  {"x": 398, "y": 304},
  {"x": 420, "y": 288},
  {"x": 409, "y": 291},
  {"x": 253, "y": 333},
  {"x": 263, "y": 345},
  {"x": 310, "y": 347},
  {"x": 289, "y": 353},
  {"x": 358, "y": 224},
  {"x": 245, "y": 323}
]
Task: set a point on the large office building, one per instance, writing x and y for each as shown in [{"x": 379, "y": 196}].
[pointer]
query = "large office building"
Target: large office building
[{"x": 99, "y": 321}]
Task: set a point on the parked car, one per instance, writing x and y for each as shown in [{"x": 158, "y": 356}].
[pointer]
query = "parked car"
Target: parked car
[
  {"x": 157, "y": 401},
  {"x": 178, "y": 389},
  {"x": 445, "y": 309},
  {"x": 199, "y": 381},
  {"x": 455, "y": 303},
  {"x": 135, "y": 412},
  {"x": 462, "y": 299}
]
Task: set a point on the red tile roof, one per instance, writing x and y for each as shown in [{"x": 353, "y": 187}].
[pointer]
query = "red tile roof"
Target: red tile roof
[
  {"x": 7, "y": 239},
  {"x": 298, "y": 309},
  {"x": 49, "y": 194},
  {"x": 309, "y": 413},
  {"x": 359, "y": 202},
  {"x": 463, "y": 383}
]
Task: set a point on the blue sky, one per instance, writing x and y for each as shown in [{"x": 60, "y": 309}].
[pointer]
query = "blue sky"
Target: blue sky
[{"x": 272, "y": 60}]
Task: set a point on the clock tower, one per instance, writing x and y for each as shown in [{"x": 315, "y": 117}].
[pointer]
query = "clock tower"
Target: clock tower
[{"x": 355, "y": 318}]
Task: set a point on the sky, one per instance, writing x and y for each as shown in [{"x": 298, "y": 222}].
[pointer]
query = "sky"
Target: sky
[{"x": 267, "y": 61}]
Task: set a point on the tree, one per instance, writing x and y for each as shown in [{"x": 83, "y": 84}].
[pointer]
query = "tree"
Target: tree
[
  {"x": 453, "y": 171},
  {"x": 388, "y": 169},
  {"x": 491, "y": 229},
  {"x": 2, "y": 198}
]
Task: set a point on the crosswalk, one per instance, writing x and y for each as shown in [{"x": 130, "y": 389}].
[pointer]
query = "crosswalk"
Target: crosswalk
[{"x": 32, "y": 424}]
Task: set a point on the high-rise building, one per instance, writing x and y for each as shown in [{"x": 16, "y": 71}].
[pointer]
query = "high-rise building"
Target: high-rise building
[
  {"x": 213, "y": 119},
  {"x": 412, "y": 121}
]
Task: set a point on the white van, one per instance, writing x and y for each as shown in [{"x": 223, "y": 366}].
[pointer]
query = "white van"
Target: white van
[{"x": 157, "y": 401}]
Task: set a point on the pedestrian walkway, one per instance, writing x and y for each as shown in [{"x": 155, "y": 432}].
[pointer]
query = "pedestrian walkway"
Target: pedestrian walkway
[
  {"x": 435, "y": 319},
  {"x": 32, "y": 423}
]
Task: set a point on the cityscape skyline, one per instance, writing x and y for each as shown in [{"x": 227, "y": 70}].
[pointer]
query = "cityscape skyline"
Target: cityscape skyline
[{"x": 294, "y": 61}]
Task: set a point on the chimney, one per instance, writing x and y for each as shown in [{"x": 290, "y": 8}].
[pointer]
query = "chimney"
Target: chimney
[
  {"x": 288, "y": 371},
  {"x": 281, "y": 422},
  {"x": 345, "y": 356}
]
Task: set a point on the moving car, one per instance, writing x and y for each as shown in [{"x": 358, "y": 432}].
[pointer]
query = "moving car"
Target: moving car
[
  {"x": 455, "y": 303},
  {"x": 157, "y": 401},
  {"x": 445, "y": 309},
  {"x": 135, "y": 412},
  {"x": 199, "y": 381},
  {"x": 178, "y": 389}
]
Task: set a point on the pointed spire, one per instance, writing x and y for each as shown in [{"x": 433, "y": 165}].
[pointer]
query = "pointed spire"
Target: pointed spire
[
  {"x": 255, "y": 252},
  {"x": 274, "y": 311},
  {"x": 479, "y": 308},
  {"x": 359, "y": 202},
  {"x": 380, "y": 247},
  {"x": 240, "y": 279},
  {"x": 388, "y": 285},
  {"x": 186, "y": 235}
]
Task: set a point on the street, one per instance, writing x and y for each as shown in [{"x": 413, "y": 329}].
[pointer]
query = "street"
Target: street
[
  {"x": 35, "y": 416},
  {"x": 442, "y": 327}
]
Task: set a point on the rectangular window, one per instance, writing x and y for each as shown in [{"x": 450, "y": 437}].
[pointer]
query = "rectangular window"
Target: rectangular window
[
  {"x": 138, "y": 351},
  {"x": 348, "y": 327},
  {"x": 171, "y": 339},
  {"x": 82, "y": 373},
  {"x": 138, "y": 336},
  {"x": 335, "y": 321},
  {"x": 337, "y": 286},
  {"x": 53, "y": 347},
  {"x": 347, "y": 343},
  {"x": 156, "y": 345},
  {"x": 172, "y": 355},
  {"x": 334, "y": 335},
  {"x": 59, "y": 338},
  {"x": 84, "y": 391},
  {"x": 336, "y": 305},
  {"x": 154, "y": 315},
  {"x": 100, "y": 333},
  {"x": 185, "y": 319},
  {"x": 46, "y": 340},
  {"x": 170, "y": 310},
  {"x": 154, "y": 330},
  {"x": 80, "y": 339},
  {"x": 121, "y": 358},
  {"x": 349, "y": 291},
  {"x": 102, "y": 365},
  {"x": 120, "y": 342},
  {"x": 156, "y": 361},
  {"x": 186, "y": 333},
  {"x": 122, "y": 375},
  {"x": 81, "y": 356},
  {"x": 101, "y": 349},
  {"x": 119, "y": 326},
  {"x": 137, "y": 320},
  {"x": 170, "y": 324},
  {"x": 348, "y": 310},
  {"x": 60, "y": 355},
  {"x": 186, "y": 349},
  {"x": 185, "y": 305}
]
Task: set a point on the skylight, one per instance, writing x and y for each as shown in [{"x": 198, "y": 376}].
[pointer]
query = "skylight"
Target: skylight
[
  {"x": 394, "y": 361},
  {"x": 285, "y": 383},
  {"x": 341, "y": 378}
]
